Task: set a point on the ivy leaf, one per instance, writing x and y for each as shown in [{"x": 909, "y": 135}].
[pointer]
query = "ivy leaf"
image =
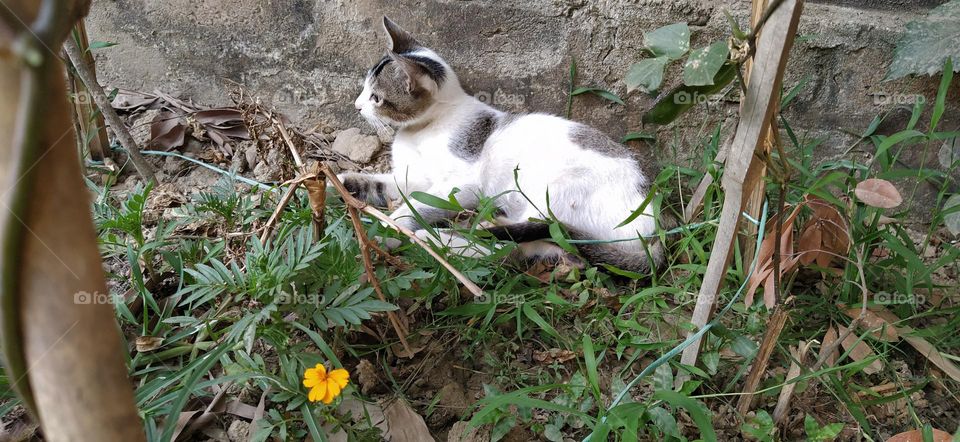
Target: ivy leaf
[
  {"x": 646, "y": 74},
  {"x": 671, "y": 105},
  {"x": 598, "y": 92},
  {"x": 703, "y": 64},
  {"x": 928, "y": 42},
  {"x": 671, "y": 41}
]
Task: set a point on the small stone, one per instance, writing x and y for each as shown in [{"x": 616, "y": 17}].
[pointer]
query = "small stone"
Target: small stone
[
  {"x": 461, "y": 432},
  {"x": 452, "y": 403},
  {"x": 238, "y": 431},
  {"x": 385, "y": 136},
  {"x": 356, "y": 146},
  {"x": 172, "y": 165},
  {"x": 238, "y": 162},
  {"x": 265, "y": 174}
]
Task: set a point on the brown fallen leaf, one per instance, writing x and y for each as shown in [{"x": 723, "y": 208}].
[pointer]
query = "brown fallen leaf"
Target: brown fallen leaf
[
  {"x": 799, "y": 353},
  {"x": 873, "y": 323},
  {"x": 167, "y": 131},
  {"x": 828, "y": 339},
  {"x": 763, "y": 274},
  {"x": 859, "y": 351},
  {"x": 877, "y": 192},
  {"x": 217, "y": 117},
  {"x": 402, "y": 423},
  {"x": 825, "y": 236},
  {"x": 148, "y": 343},
  {"x": 923, "y": 346},
  {"x": 917, "y": 436}
]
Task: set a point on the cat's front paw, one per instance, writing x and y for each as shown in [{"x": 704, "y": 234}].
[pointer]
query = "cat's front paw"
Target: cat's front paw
[{"x": 364, "y": 188}]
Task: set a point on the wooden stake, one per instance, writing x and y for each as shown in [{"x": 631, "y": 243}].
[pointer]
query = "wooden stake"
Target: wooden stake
[{"x": 759, "y": 106}]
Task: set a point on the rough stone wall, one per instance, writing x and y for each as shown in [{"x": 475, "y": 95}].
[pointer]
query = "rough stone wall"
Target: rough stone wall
[{"x": 308, "y": 57}]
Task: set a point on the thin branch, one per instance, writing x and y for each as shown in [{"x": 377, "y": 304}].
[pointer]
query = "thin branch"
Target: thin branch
[
  {"x": 372, "y": 276},
  {"x": 109, "y": 113},
  {"x": 360, "y": 205}
]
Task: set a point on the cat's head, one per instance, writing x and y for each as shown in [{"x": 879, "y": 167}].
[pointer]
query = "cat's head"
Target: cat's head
[{"x": 403, "y": 87}]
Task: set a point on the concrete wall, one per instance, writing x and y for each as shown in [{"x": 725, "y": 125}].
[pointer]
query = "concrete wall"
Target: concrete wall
[{"x": 308, "y": 57}]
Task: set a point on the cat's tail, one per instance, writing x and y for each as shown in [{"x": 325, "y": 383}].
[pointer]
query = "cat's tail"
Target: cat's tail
[{"x": 625, "y": 258}]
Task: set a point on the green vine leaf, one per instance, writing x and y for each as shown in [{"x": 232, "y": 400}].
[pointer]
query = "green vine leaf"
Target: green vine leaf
[
  {"x": 671, "y": 41},
  {"x": 647, "y": 74},
  {"x": 703, "y": 64},
  {"x": 671, "y": 105},
  {"x": 928, "y": 42}
]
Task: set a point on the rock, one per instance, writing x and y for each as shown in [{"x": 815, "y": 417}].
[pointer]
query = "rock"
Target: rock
[
  {"x": 250, "y": 153},
  {"x": 238, "y": 431},
  {"x": 238, "y": 162},
  {"x": 172, "y": 165},
  {"x": 265, "y": 174},
  {"x": 452, "y": 403},
  {"x": 270, "y": 169},
  {"x": 356, "y": 146},
  {"x": 386, "y": 135},
  {"x": 459, "y": 432}
]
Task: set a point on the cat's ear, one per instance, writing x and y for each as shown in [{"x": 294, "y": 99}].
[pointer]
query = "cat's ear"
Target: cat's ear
[
  {"x": 398, "y": 40},
  {"x": 413, "y": 71}
]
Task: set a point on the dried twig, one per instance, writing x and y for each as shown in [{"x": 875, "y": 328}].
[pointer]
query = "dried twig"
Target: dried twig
[
  {"x": 284, "y": 200},
  {"x": 316, "y": 190},
  {"x": 99, "y": 97},
  {"x": 360, "y": 205},
  {"x": 774, "y": 327}
]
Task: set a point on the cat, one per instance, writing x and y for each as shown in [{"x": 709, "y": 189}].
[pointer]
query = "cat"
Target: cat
[{"x": 446, "y": 139}]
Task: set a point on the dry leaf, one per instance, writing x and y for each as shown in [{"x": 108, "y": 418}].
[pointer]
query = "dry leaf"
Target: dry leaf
[
  {"x": 763, "y": 273},
  {"x": 828, "y": 339},
  {"x": 218, "y": 117},
  {"x": 860, "y": 351},
  {"x": 799, "y": 353},
  {"x": 825, "y": 236},
  {"x": 167, "y": 131},
  {"x": 923, "y": 346},
  {"x": 367, "y": 376},
  {"x": 404, "y": 424},
  {"x": 148, "y": 343},
  {"x": 880, "y": 193},
  {"x": 877, "y": 326},
  {"x": 917, "y": 436}
]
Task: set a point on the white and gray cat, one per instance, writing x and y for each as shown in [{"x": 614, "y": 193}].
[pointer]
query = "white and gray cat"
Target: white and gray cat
[{"x": 448, "y": 139}]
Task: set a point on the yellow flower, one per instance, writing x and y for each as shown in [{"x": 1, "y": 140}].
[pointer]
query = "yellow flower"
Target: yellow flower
[{"x": 324, "y": 386}]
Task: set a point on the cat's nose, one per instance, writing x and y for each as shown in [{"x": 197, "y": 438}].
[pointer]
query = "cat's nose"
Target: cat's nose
[{"x": 358, "y": 105}]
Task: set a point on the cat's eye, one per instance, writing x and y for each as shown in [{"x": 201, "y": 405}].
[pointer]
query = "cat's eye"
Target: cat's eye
[{"x": 375, "y": 98}]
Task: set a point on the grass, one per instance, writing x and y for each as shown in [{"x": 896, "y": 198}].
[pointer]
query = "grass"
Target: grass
[{"x": 547, "y": 355}]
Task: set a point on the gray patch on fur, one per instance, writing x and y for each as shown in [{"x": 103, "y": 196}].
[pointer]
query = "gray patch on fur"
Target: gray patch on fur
[
  {"x": 471, "y": 137},
  {"x": 592, "y": 139},
  {"x": 617, "y": 257}
]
